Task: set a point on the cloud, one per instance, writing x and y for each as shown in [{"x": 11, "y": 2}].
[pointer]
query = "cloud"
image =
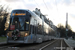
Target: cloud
[
  {"x": 72, "y": 15},
  {"x": 71, "y": 19},
  {"x": 67, "y": 2},
  {"x": 12, "y": 0},
  {"x": 29, "y": 6},
  {"x": 57, "y": 8}
]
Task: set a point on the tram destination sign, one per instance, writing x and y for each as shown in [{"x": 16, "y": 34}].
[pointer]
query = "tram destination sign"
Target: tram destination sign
[{"x": 18, "y": 14}]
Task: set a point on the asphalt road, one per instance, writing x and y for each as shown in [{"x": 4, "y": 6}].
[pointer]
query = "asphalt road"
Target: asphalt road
[
  {"x": 34, "y": 46},
  {"x": 57, "y": 44}
]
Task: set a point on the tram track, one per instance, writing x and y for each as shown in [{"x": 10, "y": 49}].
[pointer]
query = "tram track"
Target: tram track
[
  {"x": 3, "y": 46},
  {"x": 57, "y": 44},
  {"x": 47, "y": 45},
  {"x": 34, "y": 46}
]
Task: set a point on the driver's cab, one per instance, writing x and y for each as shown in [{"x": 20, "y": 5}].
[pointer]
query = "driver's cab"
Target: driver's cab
[{"x": 19, "y": 21}]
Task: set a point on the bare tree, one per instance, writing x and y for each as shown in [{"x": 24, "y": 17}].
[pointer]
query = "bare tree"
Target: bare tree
[
  {"x": 3, "y": 16},
  {"x": 60, "y": 26},
  {"x": 62, "y": 30}
]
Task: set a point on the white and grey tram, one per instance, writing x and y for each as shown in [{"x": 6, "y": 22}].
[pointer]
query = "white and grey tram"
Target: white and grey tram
[{"x": 27, "y": 27}]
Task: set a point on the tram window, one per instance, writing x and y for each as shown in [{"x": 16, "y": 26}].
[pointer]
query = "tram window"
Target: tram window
[
  {"x": 19, "y": 23},
  {"x": 26, "y": 25},
  {"x": 33, "y": 29},
  {"x": 27, "y": 13}
]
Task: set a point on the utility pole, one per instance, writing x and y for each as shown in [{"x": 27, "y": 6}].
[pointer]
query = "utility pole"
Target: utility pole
[{"x": 66, "y": 25}]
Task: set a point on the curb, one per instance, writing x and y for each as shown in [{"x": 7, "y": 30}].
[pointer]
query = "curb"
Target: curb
[
  {"x": 66, "y": 43},
  {"x": 2, "y": 43}
]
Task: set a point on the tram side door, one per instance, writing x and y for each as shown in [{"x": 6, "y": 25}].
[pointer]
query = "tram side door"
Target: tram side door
[{"x": 35, "y": 29}]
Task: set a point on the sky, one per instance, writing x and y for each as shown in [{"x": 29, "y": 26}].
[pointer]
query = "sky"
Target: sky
[{"x": 54, "y": 9}]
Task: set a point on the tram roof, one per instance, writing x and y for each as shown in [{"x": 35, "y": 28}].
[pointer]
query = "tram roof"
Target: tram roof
[{"x": 21, "y": 9}]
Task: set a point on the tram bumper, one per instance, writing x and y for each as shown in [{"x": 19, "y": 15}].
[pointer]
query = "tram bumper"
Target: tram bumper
[
  {"x": 11, "y": 41},
  {"x": 20, "y": 40}
]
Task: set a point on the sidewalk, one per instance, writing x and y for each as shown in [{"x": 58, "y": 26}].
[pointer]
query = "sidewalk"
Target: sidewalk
[
  {"x": 70, "y": 42},
  {"x": 3, "y": 42}
]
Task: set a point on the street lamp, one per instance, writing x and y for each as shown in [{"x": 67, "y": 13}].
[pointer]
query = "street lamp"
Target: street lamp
[{"x": 66, "y": 25}]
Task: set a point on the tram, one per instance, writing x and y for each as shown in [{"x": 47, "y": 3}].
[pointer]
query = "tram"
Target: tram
[{"x": 27, "y": 27}]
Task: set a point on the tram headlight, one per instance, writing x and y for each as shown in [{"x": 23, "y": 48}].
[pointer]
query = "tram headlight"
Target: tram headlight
[
  {"x": 26, "y": 34},
  {"x": 7, "y": 34}
]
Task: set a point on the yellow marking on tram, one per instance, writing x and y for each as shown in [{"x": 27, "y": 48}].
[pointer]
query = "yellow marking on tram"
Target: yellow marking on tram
[{"x": 19, "y": 14}]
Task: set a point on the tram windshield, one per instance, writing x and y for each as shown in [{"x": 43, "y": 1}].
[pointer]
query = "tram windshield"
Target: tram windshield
[
  {"x": 19, "y": 23},
  {"x": 19, "y": 19}
]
